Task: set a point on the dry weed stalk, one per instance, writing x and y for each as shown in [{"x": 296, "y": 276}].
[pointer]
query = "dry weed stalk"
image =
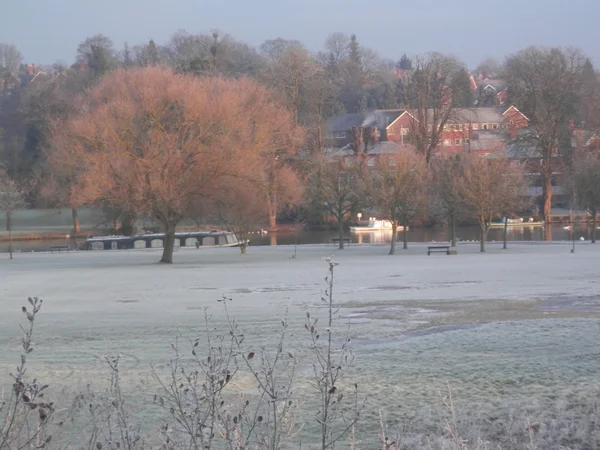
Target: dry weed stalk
[
  {"x": 207, "y": 414},
  {"x": 22, "y": 427},
  {"x": 334, "y": 417}
]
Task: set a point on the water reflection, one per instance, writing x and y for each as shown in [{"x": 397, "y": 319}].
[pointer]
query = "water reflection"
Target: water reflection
[{"x": 435, "y": 234}]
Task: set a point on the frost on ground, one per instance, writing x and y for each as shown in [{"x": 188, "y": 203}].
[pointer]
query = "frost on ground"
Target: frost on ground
[{"x": 508, "y": 329}]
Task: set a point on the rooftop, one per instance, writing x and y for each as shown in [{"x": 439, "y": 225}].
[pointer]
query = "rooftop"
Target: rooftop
[{"x": 380, "y": 118}]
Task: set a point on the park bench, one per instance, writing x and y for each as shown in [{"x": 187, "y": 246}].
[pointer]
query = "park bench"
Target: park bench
[
  {"x": 59, "y": 248},
  {"x": 438, "y": 248},
  {"x": 337, "y": 240}
]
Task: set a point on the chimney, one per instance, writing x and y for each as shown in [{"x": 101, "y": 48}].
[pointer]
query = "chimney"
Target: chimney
[{"x": 30, "y": 69}]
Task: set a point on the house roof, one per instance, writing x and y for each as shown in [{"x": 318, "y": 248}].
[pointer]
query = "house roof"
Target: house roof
[
  {"x": 515, "y": 109},
  {"x": 380, "y": 148},
  {"x": 491, "y": 141},
  {"x": 476, "y": 115},
  {"x": 521, "y": 150},
  {"x": 380, "y": 118}
]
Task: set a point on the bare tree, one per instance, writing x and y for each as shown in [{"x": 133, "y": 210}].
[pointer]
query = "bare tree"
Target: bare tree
[
  {"x": 337, "y": 46},
  {"x": 153, "y": 142},
  {"x": 10, "y": 59},
  {"x": 489, "y": 187},
  {"x": 430, "y": 93},
  {"x": 583, "y": 179},
  {"x": 289, "y": 69},
  {"x": 147, "y": 54},
  {"x": 11, "y": 199},
  {"x": 543, "y": 84},
  {"x": 337, "y": 186},
  {"x": 86, "y": 48},
  {"x": 397, "y": 186},
  {"x": 445, "y": 191},
  {"x": 490, "y": 66}
]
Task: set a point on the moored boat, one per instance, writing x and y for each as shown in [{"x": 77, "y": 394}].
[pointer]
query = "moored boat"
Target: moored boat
[
  {"x": 520, "y": 222},
  {"x": 156, "y": 240},
  {"x": 375, "y": 225}
]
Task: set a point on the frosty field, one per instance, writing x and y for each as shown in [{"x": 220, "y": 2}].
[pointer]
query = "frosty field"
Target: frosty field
[{"x": 510, "y": 330}]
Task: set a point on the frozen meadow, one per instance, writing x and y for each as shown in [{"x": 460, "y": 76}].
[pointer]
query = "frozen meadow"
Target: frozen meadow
[{"x": 514, "y": 332}]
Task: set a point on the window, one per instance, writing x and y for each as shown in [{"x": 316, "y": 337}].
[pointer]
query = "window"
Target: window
[
  {"x": 476, "y": 126},
  {"x": 485, "y": 127},
  {"x": 495, "y": 126},
  {"x": 467, "y": 141},
  {"x": 457, "y": 141},
  {"x": 340, "y": 135},
  {"x": 447, "y": 142}
]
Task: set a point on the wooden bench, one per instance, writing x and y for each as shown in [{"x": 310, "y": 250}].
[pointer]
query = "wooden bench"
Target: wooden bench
[
  {"x": 337, "y": 240},
  {"x": 438, "y": 248},
  {"x": 59, "y": 248}
]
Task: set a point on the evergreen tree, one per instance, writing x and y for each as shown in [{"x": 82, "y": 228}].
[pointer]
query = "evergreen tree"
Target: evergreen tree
[
  {"x": 405, "y": 63},
  {"x": 153, "y": 57},
  {"x": 126, "y": 56},
  {"x": 464, "y": 96}
]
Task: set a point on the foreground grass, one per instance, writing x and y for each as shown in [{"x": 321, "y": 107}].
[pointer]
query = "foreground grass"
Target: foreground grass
[{"x": 515, "y": 383}]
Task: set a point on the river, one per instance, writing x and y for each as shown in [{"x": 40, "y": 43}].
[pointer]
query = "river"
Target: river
[{"x": 435, "y": 234}]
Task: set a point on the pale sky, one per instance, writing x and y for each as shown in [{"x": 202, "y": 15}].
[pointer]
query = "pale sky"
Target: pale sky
[{"x": 49, "y": 30}]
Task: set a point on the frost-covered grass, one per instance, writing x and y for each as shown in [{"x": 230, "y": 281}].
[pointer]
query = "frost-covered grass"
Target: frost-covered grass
[{"x": 488, "y": 324}]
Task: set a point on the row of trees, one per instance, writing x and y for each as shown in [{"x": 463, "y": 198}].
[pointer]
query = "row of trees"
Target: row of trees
[
  {"x": 403, "y": 188},
  {"x": 243, "y": 140}
]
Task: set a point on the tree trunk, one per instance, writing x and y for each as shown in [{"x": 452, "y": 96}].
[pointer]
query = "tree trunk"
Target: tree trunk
[
  {"x": 273, "y": 239},
  {"x": 168, "y": 244},
  {"x": 127, "y": 225},
  {"x": 453, "y": 230},
  {"x": 243, "y": 242},
  {"x": 594, "y": 227},
  {"x": 482, "y": 240},
  {"x": 547, "y": 198},
  {"x": 505, "y": 232},
  {"x": 341, "y": 233},
  {"x": 76, "y": 224},
  {"x": 394, "y": 233},
  {"x": 116, "y": 224},
  {"x": 405, "y": 236},
  {"x": 272, "y": 211}
]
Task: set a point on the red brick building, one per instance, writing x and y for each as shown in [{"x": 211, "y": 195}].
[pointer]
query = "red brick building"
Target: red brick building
[{"x": 471, "y": 130}]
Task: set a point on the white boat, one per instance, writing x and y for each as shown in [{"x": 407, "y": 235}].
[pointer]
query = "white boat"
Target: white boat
[
  {"x": 375, "y": 225},
  {"x": 520, "y": 222},
  {"x": 516, "y": 224}
]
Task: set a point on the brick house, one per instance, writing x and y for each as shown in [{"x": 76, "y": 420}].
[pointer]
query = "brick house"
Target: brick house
[
  {"x": 479, "y": 130},
  {"x": 360, "y": 131}
]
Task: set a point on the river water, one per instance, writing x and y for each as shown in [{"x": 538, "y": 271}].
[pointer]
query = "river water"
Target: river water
[{"x": 432, "y": 234}]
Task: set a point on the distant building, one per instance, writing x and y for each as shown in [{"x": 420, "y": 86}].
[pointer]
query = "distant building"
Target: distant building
[{"x": 476, "y": 130}]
